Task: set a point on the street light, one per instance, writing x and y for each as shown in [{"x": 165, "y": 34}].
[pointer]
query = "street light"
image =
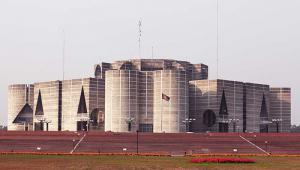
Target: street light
[
  {"x": 187, "y": 123},
  {"x": 266, "y": 143},
  {"x": 86, "y": 119},
  {"x": 129, "y": 121},
  {"x": 42, "y": 121},
  {"x": 277, "y": 121},
  {"x": 73, "y": 143},
  {"x": 234, "y": 121},
  {"x": 47, "y": 124},
  {"x": 137, "y": 142}
]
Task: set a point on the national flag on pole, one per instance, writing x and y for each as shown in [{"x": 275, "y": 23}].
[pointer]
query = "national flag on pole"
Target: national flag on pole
[{"x": 165, "y": 97}]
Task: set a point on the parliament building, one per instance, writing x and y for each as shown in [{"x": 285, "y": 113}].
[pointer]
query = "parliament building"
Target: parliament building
[{"x": 149, "y": 95}]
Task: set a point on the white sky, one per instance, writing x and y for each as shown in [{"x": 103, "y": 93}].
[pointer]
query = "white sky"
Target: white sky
[{"x": 260, "y": 38}]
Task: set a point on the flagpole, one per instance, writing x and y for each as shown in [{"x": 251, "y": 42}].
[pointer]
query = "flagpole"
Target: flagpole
[
  {"x": 161, "y": 110},
  {"x": 161, "y": 104}
]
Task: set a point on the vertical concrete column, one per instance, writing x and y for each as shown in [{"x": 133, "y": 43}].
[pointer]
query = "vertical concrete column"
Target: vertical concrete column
[
  {"x": 169, "y": 115},
  {"x": 121, "y": 100}
]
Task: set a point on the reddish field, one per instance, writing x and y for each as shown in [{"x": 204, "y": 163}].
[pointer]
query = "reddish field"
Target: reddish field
[{"x": 173, "y": 144}]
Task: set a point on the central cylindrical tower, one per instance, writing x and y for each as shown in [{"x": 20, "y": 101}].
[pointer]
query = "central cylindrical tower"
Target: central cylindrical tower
[
  {"x": 121, "y": 100},
  {"x": 170, "y": 101}
]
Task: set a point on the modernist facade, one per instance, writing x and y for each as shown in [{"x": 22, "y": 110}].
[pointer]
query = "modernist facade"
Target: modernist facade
[
  {"x": 222, "y": 105},
  {"x": 149, "y": 95}
]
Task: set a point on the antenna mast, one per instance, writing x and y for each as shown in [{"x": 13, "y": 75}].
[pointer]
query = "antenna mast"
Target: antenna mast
[
  {"x": 63, "y": 54},
  {"x": 219, "y": 34},
  {"x": 217, "y": 39},
  {"x": 152, "y": 52},
  {"x": 140, "y": 35}
]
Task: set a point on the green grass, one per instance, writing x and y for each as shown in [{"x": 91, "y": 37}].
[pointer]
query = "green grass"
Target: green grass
[{"x": 136, "y": 162}]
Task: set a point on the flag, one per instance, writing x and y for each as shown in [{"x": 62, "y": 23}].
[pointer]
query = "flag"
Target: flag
[{"x": 165, "y": 97}]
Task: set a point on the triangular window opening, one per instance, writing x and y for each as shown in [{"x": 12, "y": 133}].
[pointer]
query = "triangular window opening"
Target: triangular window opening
[
  {"x": 82, "y": 103},
  {"x": 223, "y": 105},
  {"x": 263, "y": 110},
  {"x": 25, "y": 115},
  {"x": 39, "y": 106}
]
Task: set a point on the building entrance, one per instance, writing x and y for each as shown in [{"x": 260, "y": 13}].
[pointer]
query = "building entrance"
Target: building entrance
[
  {"x": 263, "y": 128},
  {"x": 39, "y": 126},
  {"x": 223, "y": 127},
  {"x": 82, "y": 126}
]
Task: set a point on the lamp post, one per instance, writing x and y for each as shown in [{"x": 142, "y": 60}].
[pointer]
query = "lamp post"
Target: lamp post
[
  {"x": 42, "y": 124},
  {"x": 234, "y": 121},
  {"x": 187, "y": 123},
  {"x": 87, "y": 126},
  {"x": 129, "y": 121},
  {"x": 266, "y": 143},
  {"x": 137, "y": 142},
  {"x": 82, "y": 120},
  {"x": 277, "y": 121},
  {"x": 42, "y": 121},
  {"x": 73, "y": 143},
  {"x": 47, "y": 124}
]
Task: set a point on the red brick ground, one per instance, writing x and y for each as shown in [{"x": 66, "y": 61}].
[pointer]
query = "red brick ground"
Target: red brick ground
[{"x": 197, "y": 143}]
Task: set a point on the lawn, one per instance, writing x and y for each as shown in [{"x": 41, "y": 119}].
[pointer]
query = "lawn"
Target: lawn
[{"x": 136, "y": 162}]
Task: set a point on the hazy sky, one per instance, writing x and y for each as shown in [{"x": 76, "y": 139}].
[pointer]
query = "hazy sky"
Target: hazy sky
[{"x": 260, "y": 38}]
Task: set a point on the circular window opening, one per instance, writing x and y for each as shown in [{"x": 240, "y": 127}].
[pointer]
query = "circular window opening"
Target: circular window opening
[{"x": 209, "y": 118}]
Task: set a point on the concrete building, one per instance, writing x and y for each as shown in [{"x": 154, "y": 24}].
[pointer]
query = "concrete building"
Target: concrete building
[
  {"x": 169, "y": 115},
  {"x": 229, "y": 106},
  {"x": 121, "y": 100},
  {"x": 47, "y": 106},
  {"x": 20, "y": 104},
  {"x": 149, "y": 95},
  {"x": 280, "y": 109},
  {"x": 83, "y": 104},
  {"x": 71, "y": 105},
  {"x": 134, "y": 89}
]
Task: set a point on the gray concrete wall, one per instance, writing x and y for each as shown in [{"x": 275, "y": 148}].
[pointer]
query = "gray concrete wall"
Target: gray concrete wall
[
  {"x": 17, "y": 95},
  {"x": 254, "y": 93},
  {"x": 50, "y": 95},
  {"x": 121, "y": 100},
  {"x": 234, "y": 98},
  {"x": 280, "y": 108},
  {"x": 97, "y": 101},
  {"x": 146, "y": 97},
  {"x": 169, "y": 115},
  {"x": 207, "y": 95},
  {"x": 94, "y": 97},
  {"x": 202, "y": 97}
]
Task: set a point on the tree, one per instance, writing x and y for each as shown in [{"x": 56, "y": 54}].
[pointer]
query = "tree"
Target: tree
[
  {"x": 295, "y": 128},
  {"x": 3, "y": 127}
]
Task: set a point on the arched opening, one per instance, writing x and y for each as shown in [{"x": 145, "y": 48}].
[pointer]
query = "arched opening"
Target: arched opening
[
  {"x": 126, "y": 66},
  {"x": 209, "y": 118},
  {"x": 98, "y": 71},
  {"x": 96, "y": 120}
]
